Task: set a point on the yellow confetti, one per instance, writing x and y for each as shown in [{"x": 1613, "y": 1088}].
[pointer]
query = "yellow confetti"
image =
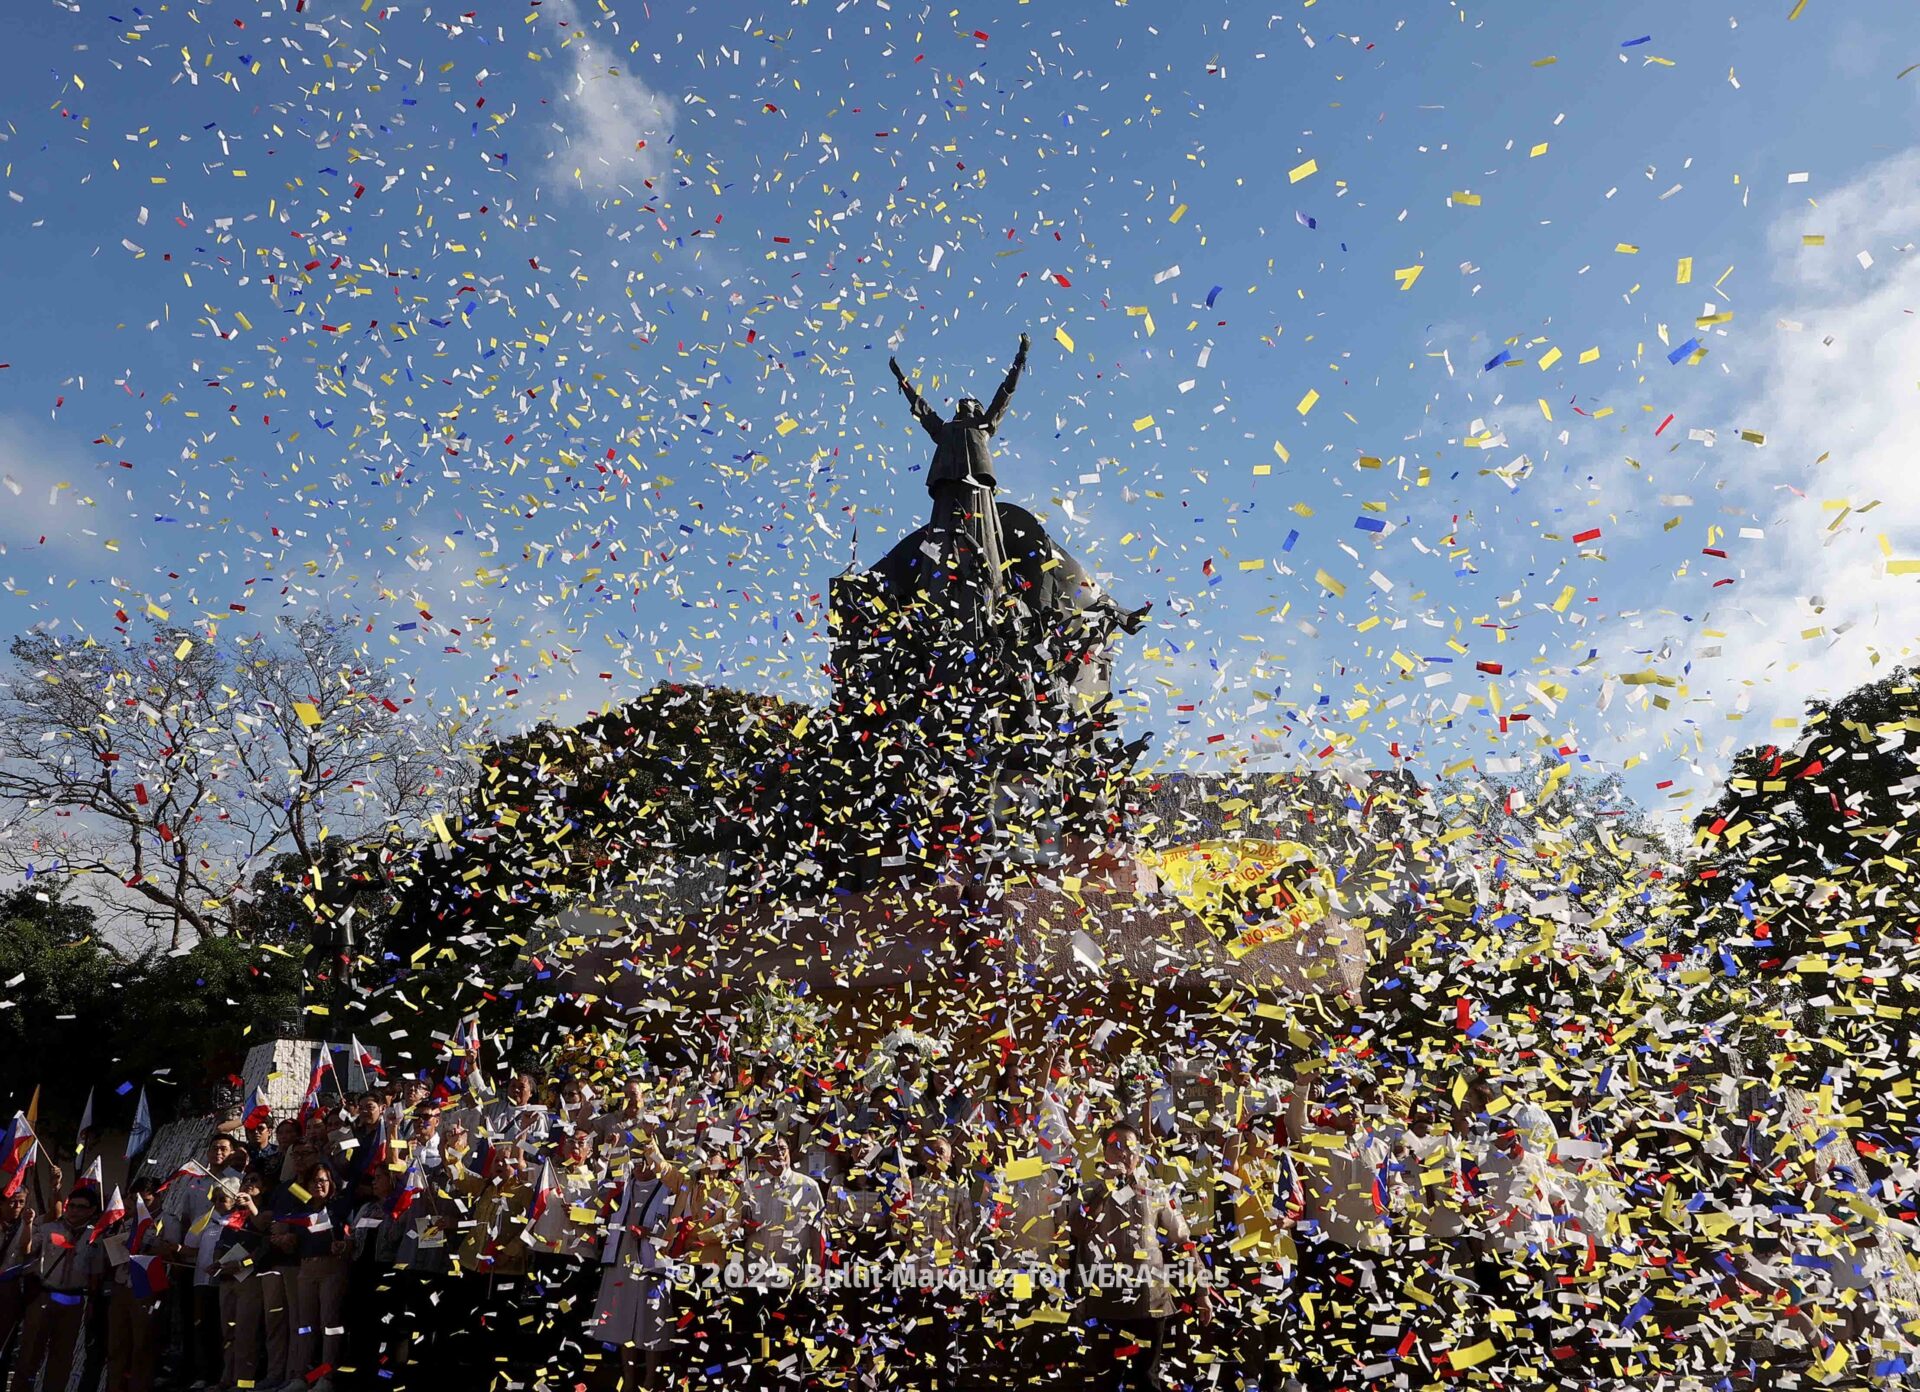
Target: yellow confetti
[
  {"x": 1307, "y": 401},
  {"x": 1063, "y": 338},
  {"x": 1301, "y": 171},
  {"x": 1471, "y": 1355}
]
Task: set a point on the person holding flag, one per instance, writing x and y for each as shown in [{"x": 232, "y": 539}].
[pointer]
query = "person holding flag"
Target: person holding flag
[
  {"x": 134, "y": 1327},
  {"x": 236, "y": 1279},
  {"x": 325, "y": 1241},
  {"x": 186, "y": 1213},
  {"x": 70, "y": 1269}
]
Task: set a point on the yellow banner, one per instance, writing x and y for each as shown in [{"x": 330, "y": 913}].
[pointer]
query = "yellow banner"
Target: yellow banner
[{"x": 1275, "y": 882}]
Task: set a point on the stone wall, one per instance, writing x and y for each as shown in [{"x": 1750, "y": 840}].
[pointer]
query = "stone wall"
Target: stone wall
[{"x": 279, "y": 1068}]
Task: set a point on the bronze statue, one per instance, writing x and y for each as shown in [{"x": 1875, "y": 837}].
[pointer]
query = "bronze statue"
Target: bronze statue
[
  {"x": 966, "y": 523},
  {"x": 961, "y": 452},
  {"x": 967, "y": 532}
]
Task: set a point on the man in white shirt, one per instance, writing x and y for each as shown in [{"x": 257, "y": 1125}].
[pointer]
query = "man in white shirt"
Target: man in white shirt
[
  {"x": 1342, "y": 1239},
  {"x": 1127, "y": 1236},
  {"x": 780, "y": 1217},
  {"x": 934, "y": 1237},
  {"x": 186, "y": 1223}
]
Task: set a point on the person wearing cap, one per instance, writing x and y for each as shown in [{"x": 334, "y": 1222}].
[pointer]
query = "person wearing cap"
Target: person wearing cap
[
  {"x": 256, "y": 1136},
  {"x": 70, "y": 1269}
]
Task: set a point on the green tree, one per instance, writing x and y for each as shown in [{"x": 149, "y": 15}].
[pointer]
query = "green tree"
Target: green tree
[
  {"x": 1807, "y": 849},
  {"x": 75, "y": 1014},
  {"x": 58, "y": 984}
]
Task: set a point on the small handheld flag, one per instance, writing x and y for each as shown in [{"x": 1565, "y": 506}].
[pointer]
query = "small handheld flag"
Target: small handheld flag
[
  {"x": 140, "y": 1135},
  {"x": 17, "y": 1150},
  {"x": 86, "y": 1125},
  {"x": 113, "y": 1212},
  {"x": 146, "y": 1276},
  {"x": 258, "y": 1112}
]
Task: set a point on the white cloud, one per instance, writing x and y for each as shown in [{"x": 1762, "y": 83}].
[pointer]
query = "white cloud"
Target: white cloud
[
  {"x": 50, "y": 497},
  {"x": 1816, "y": 610},
  {"x": 616, "y": 127}
]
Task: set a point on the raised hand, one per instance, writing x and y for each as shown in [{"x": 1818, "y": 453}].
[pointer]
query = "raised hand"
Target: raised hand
[
  {"x": 893, "y": 365},
  {"x": 1025, "y": 343}
]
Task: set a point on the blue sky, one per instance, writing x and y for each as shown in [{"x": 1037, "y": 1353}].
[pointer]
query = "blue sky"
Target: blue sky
[{"x": 548, "y": 344}]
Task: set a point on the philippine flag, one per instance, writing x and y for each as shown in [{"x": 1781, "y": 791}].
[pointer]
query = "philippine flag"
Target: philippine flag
[
  {"x": 16, "y": 1154},
  {"x": 147, "y": 1276},
  {"x": 543, "y": 1193},
  {"x": 361, "y": 1065},
  {"x": 258, "y": 1111},
  {"x": 143, "y": 1225},
  {"x": 115, "y": 1210},
  {"x": 408, "y": 1191}
]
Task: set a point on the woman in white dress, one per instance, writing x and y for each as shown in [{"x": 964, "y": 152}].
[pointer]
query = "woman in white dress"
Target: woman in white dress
[{"x": 636, "y": 1283}]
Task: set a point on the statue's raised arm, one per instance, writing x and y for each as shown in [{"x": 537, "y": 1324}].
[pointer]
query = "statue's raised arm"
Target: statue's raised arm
[
  {"x": 929, "y": 419},
  {"x": 1005, "y": 394}
]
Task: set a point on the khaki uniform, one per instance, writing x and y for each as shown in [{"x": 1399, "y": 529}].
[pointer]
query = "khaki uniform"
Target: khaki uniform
[{"x": 69, "y": 1267}]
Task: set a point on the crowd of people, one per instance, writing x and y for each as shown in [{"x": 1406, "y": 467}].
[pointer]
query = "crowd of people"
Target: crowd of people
[{"x": 1047, "y": 1217}]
